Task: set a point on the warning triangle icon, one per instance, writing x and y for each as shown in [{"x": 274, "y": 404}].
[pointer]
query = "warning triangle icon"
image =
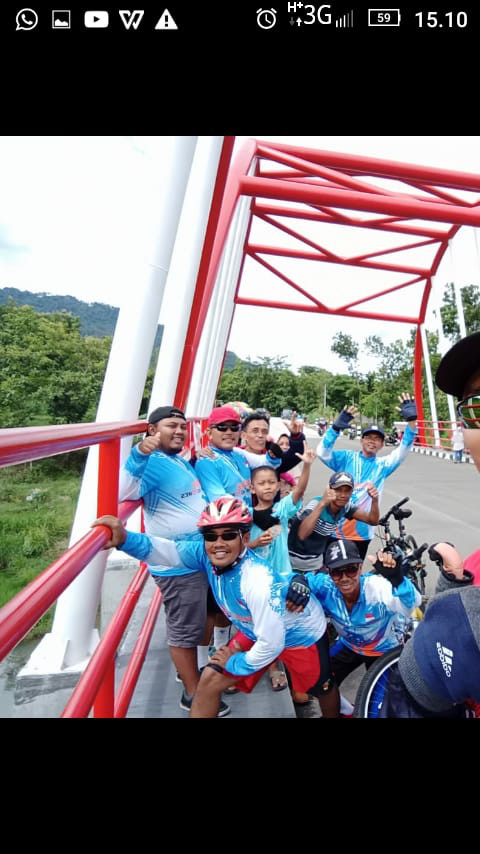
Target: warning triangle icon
[{"x": 166, "y": 22}]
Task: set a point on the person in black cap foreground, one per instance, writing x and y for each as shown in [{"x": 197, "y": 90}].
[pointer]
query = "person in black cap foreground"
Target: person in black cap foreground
[
  {"x": 459, "y": 374},
  {"x": 368, "y": 610},
  {"x": 173, "y": 500},
  {"x": 438, "y": 671},
  {"x": 315, "y": 525},
  {"x": 364, "y": 466}
]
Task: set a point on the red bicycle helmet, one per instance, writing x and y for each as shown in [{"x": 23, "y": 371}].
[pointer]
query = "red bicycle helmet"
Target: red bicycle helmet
[{"x": 226, "y": 511}]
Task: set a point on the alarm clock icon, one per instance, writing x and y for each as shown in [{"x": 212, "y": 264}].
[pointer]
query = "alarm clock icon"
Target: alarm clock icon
[{"x": 266, "y": 18}]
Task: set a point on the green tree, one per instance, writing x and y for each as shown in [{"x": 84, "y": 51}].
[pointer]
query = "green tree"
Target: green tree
[
  {"x": 471, "y": 310},
  {"x": 48, "y": 372},
  {"x": 347, "y": 349}
]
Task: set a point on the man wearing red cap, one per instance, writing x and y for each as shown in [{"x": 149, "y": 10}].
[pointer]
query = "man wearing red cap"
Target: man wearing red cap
[{"x": 227, "y": 470}]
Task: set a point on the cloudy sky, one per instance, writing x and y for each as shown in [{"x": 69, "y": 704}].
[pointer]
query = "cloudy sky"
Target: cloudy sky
[{"x": 77, "y": 217}]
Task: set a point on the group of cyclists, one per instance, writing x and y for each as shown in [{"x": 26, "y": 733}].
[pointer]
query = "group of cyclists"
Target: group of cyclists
[{"x": 278, "y": 570}]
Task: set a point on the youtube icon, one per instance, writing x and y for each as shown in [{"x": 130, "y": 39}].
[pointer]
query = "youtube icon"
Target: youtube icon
[{"x": 96, "y": 20}]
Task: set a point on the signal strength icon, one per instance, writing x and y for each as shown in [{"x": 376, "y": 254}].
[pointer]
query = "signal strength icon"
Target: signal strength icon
[{"x": 346, "y": 20}]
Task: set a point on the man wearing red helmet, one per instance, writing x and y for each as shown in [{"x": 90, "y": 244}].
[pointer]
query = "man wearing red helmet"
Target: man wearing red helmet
[{"x": 253, "y": 596}]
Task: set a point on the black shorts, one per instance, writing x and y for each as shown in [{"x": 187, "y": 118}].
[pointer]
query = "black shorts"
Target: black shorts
[
  {"x": 212, "y": 606},
  {"x": 344, "y": 660}
]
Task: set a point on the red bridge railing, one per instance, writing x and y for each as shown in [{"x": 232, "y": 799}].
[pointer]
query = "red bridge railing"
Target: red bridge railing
[{"x": 96, "y": 686}]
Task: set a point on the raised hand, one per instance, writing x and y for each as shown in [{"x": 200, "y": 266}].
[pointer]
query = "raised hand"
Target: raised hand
[
  {"x": 295, "y": 426},
  {"x": 150, "y": 444},
  {"x": 407, "y": 408},
  {"x": 347, "y": 414},
  {"x": 308, "y": 456}
]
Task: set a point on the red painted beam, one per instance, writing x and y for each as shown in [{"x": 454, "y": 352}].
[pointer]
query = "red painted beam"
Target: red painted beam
[
  {"x": 290, "y": 191},
  {"x": 380, "y": 168},
  {"x": 319, "y": 310}
]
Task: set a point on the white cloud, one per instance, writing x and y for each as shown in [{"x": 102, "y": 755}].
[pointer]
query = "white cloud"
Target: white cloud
[{"x": 78, "y": 216}]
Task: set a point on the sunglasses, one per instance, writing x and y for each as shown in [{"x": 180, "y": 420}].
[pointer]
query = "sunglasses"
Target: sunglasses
[
  {"x": 224, "y": 427},
  {"x": 468, "y": 411},
  {"x": 350, "y": 571},
  {"x": 212, "y": 537}
]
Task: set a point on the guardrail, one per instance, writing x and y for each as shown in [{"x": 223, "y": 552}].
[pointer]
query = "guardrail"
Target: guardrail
[{"x": 96, "y": 686}]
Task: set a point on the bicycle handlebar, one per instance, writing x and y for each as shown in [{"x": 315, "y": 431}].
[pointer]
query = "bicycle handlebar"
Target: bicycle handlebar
[
  {"x": 393, "y": 510},
  {"x": 417, "y": 553}
]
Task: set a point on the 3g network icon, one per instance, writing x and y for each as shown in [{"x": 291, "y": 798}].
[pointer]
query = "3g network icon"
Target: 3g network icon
[{"x": 131, "y": 20}]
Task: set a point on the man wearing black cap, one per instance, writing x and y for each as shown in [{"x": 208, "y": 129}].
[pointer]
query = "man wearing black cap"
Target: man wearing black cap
[
  {"x": 368, "y": 610},
  {"x": 364, "y": 466},
  {"x": 316, "y": 524},
  {"x": 459, "y": 374},
  {"x": 173, "y": 501}
]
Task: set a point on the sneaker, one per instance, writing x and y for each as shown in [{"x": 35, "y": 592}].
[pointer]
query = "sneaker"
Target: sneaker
[{"x": 186, "y": 704}]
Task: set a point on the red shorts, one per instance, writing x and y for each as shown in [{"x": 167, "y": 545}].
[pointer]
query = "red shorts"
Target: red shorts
[{"x": 308, "y": 666}]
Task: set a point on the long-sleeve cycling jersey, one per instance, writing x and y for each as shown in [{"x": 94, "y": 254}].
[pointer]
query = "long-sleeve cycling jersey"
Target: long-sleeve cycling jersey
[
  {"x": 363, "y": 469},
  {"x": 251, "y": 595},
  {"x": 172, "y": 497},
  {"x": 372, "y": 626},
  {"x": 276, "y": 553},
  {"x": 228, "y": 472},
  {"x": 289, "y": 457}
]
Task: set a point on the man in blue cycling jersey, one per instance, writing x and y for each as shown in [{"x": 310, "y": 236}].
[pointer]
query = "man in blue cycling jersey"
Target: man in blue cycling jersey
[
  {"x": 253, "y": 596},
  {"x": 227, "y": 469},
  {"x": 172, "y": 500},
  {"x": 365, "y": 466},
  {"x": 368, "y": 610}
]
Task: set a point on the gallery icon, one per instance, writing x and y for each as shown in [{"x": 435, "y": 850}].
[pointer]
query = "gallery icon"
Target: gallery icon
[
  {"x": 61, "y": 19},
  {"x": 26, "y": 19},
  {"x": 96, "y": 20}
]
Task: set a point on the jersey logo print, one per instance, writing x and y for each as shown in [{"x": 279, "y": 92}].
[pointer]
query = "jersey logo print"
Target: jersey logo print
[{"x": 446, "y": 657}]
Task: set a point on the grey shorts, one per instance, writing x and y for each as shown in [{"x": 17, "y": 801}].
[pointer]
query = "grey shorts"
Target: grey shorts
[{"x": 185, "y": 603}]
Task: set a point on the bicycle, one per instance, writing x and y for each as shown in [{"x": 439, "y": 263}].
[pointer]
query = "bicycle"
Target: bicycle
[
  {"x": 404, "y": 547},
  {"x": 371, "y": 691}
]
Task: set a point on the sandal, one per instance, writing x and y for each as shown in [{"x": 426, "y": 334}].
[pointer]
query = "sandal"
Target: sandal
[{"x": 278, "y": 680}]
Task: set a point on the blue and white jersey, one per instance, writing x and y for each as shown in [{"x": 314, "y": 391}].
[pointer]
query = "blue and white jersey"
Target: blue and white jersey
[
  {"x": 251, "y": 595},
  {"x": 276, "y": 553},
  {"x": 172, "y": 497},
  {"x": 373, "y": 626},
  {"x": 363, "y": 469},
  {"x": 228, "y": 472}
]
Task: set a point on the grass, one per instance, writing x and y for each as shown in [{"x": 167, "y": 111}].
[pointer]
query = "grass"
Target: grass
[{"x": 37, "y": 504}]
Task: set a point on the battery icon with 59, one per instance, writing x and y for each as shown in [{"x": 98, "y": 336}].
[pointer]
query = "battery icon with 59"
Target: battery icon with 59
[{"x": 384, "y": 17}]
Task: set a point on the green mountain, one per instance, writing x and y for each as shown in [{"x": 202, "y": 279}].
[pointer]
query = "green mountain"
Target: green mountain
[{"x": 97, "y": 319}]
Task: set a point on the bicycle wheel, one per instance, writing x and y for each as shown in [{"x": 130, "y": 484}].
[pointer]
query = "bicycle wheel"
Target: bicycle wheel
[{"x": 373, "y": 686}]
